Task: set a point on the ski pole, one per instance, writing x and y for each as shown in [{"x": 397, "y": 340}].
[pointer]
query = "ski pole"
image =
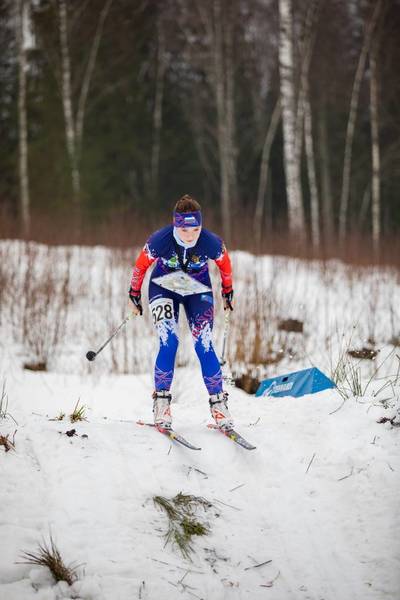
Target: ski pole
[
  {"x": 226, "y": 329},
  {"x": 92, "y": 355}
]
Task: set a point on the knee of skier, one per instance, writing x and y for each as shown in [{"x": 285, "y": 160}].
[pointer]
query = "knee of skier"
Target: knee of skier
[
  {"x": 169, "y": 343},
  {"x": 203, "y": 341}
]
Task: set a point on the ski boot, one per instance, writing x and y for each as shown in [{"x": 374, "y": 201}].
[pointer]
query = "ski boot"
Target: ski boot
[
  {"x": 219, "y": 410},
  {"x": 162, "y": 409}
]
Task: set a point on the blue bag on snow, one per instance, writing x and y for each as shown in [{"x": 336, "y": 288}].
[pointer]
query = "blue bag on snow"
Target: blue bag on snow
[{"x": 307, "y": 381}]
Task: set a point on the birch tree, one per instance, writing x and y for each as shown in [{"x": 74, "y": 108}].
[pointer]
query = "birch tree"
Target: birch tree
[
  {"x": 21, "y": 26},
  {"x": 287, "y": 86},
  {"x": 305, "y": 52}
]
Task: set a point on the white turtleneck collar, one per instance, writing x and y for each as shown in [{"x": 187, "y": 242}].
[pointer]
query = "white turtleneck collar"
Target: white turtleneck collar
[{"x": 181, "y": 243}]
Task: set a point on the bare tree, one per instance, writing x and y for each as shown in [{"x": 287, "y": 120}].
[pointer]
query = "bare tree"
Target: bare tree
[
  {"x": 21, "y": 25},
  {"x": 74, "y": 125},
  {"x": 344, "y": 199},
  {"x": 158, "y": 103},
  {"x": 312, "y": 177},
  {"x": 375, "y": 150},
  {"x": 304, "y": 107},
  {"x": 287, "y": 84},
  {"x": 70, "y": 131},
  {"x": 222, "y": 80},
  {"x": 305, "y": 53},
  {"x": 264, "y": 171},
  {"x": 218, "y": 19},
  {"x": 325, "y": 171}
]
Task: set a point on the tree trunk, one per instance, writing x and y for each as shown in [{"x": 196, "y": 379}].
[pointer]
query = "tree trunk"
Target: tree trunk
[
  {"x": 264, "y": 171},
  {"x": 344, "y": 199},
  {"x": 21, "y": 17},
  {"x": 67, "y": 100},
  {"x": 312, "y": 177},
  {"x": 375, "y": 183},
  {"x": 292, "y": 168},
  {"x": 157, "y": 113},
  {"x": 74, "y": 126},
  {"x": 326, "y": 185},
  {"x": 306, "y": 48},
  {"x": 230, "y": 104},
  {"x": 218, "y": 80},
  {"x": 218, "y": 19},
  {"x": 80, "y": 114}
]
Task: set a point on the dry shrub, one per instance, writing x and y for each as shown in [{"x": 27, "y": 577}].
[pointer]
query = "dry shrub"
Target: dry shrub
[
  {"x": 256, "y": 341},
  {"x": 45, "y": 303}
]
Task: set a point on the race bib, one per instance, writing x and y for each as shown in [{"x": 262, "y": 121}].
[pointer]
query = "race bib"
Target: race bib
[{"x": 162, "y": 310}]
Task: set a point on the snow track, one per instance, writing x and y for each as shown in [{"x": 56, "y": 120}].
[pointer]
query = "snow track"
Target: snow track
[{"x": 318, "y": 498}]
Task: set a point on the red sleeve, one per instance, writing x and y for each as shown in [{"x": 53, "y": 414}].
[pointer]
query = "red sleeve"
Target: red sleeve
[
  {"x": 143, "y": 262},
  {"x": 224, "y": 265}
]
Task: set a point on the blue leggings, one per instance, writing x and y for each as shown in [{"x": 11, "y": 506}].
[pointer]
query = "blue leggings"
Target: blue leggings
[{"x": 199, "y": 308}]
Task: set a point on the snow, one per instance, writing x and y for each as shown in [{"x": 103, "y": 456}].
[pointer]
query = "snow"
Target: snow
[{"x": 318, "y": 498}]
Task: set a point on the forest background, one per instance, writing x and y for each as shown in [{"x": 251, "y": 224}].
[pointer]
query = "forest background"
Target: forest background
[{"x": 282, "y": 117}]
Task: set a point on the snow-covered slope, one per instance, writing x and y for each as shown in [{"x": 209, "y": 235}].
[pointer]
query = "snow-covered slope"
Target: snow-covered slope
[{"x": 318, "y": 498}]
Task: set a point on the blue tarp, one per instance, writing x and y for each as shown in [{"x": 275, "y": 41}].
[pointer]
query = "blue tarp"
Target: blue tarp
[{"x": 308, "y": 381}]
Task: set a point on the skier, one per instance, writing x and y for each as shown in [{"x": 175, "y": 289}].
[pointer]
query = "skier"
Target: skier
[{"x": 185, "y": 245}]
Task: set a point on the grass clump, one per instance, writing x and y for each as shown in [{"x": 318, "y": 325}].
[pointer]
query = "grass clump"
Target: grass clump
[
  {"x": 347, "y": 374},
  {"x": 50, "y": 557},
  {"x": 183, "y": 523},
  {"x": 78, "y": 414},
  {"x": 59, "y": 417}
]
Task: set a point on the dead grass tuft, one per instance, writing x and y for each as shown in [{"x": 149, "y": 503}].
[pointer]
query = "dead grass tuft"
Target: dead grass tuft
[
  {"x": 50, "y": 557},
  {"x": 78, "y": 414}
]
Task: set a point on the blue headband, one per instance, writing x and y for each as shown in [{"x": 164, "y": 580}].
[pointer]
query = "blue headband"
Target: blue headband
[{"x": 187, "y": 219}]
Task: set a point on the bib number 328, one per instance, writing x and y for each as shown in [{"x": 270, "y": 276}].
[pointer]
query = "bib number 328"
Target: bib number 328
[{"x": 162, "y": 310}]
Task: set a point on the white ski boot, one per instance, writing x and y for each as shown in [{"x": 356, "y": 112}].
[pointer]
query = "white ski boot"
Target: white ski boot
[
  {"x": 162, "y": 409},
  {"x": 219, "y": 410}
]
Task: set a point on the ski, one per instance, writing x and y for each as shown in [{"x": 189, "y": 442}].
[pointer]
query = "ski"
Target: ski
[
  {"x": 234, "y": 436},
  {"x": 171, "y": 434}
]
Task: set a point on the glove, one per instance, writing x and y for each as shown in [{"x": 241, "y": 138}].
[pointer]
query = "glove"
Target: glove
[
  {"x": 135, "y": 296},
  {"x": 228, "y": 297}
]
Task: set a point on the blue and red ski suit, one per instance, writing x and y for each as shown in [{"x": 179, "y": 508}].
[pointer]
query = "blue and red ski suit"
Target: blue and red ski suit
[{"x": 169, "y": 256}]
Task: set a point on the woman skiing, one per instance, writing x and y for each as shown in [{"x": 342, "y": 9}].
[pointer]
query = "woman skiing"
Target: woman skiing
[{"x": 184, "y": 246}]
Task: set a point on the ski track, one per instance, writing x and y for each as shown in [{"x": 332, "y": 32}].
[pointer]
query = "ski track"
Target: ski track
[{"x": 327, "y": 539}]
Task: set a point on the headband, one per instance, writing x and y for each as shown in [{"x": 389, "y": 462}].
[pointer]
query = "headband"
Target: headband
[{"x": 187, "y": 219}]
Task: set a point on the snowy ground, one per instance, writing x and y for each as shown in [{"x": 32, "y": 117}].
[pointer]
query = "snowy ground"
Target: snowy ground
[
  {"x": 318, "y": 498},
  {"x": 330, "y": 528}
]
